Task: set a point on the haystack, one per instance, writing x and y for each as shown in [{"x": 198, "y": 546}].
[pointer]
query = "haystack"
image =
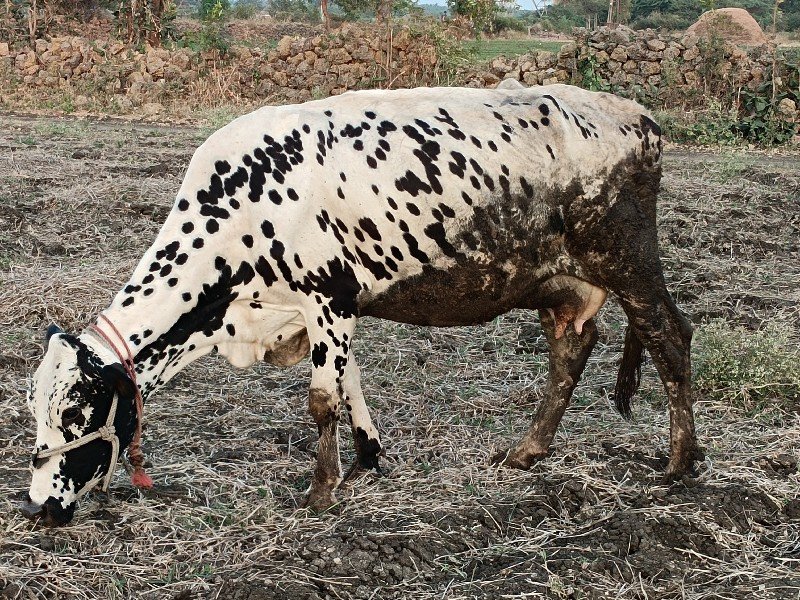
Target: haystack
[{"x": 734, "y": 25}]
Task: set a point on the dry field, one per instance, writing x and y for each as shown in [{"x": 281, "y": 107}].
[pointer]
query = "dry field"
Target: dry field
[{"x": 232, "y": 451}]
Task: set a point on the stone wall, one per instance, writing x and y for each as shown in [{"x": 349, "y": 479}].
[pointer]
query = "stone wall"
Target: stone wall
[
  {"x": 653, "y": 68},
  {"x": 661, "y": 71},
  {"x": 297, "y": 69}
]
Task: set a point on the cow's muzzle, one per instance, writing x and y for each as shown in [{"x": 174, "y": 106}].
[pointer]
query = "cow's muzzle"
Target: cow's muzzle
[{"x": 50, "y": 514}]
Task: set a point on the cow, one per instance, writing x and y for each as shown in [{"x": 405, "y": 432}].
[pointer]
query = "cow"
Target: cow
[{"x": 429, "y": 206}]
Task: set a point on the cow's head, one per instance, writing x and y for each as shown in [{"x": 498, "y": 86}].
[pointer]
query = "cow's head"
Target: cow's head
[{"x": 71, "y": 396}]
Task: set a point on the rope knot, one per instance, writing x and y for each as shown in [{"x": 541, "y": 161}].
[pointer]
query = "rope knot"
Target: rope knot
[{"x": 107, "y": 432}]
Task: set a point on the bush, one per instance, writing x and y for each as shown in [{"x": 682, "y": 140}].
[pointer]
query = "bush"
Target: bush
[
  {"x": 247, "y": 9},
  {"x": 749, "y": 368},
  {"x": 716, "y": 125},
  {"x": 213, "y": 10},
  {"x": 504, "y": 22},
  {"x": 662, "y": 22},
  {"x": 294, "y": 10}
]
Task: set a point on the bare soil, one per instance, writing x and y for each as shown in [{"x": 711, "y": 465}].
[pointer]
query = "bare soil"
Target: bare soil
[{"x": 232, "y": 450}]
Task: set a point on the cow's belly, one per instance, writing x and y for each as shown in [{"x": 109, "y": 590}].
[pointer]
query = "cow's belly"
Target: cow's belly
[{"x": 471, "y": 293}]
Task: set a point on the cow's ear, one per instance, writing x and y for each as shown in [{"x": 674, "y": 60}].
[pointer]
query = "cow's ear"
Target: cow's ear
[
  {"x": 117, "y": 380},
  {"x": 51, "y": 331}
]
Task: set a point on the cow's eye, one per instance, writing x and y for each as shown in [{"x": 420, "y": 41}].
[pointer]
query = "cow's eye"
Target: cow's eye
[{"x": 70, "y": 415}]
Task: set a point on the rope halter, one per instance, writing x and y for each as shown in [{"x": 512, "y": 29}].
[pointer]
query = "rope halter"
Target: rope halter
[{"x": 107, "y": 432}]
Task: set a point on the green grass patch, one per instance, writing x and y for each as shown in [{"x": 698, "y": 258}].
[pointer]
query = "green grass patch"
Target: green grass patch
[
  {"x": 488, "y": 49},
  {"x": 751, "y": 369}
]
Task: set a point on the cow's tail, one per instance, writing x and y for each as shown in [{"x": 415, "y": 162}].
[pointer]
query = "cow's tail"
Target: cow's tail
[{"x": 630, "y": 370}]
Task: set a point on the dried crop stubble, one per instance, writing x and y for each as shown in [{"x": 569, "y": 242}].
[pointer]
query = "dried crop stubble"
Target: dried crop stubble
[{"x": 232, "y": 451}]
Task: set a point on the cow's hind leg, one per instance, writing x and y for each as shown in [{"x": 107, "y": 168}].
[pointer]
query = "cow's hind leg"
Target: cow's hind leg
[
  {"x": 616, "y": 243},
  {"x": 568, "y": 356},
  {"x": 666, "y": 334}
]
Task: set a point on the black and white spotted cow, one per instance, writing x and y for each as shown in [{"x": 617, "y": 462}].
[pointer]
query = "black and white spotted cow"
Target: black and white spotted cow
[{"x": 424, "y": 206}]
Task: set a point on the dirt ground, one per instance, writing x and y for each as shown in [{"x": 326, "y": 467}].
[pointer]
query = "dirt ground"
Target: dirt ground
[{"x": 232, "y": 450}]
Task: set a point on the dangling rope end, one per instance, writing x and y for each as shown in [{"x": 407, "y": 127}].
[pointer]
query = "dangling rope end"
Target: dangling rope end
[{"x": 140, "y": 479}]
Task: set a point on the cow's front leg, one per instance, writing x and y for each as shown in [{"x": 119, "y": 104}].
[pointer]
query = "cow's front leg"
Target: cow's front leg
[
  {"x": 324, "y": 408},
  {"x": 329, "y": 356},
  {"x": 365, "y": 436}
]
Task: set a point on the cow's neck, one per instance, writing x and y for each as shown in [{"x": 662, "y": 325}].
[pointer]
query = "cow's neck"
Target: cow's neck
[{"x": 172, "y": 309}]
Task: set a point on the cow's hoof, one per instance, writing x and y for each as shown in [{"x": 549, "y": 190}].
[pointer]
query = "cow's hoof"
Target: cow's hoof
[
  {"x": 356, "y": 470},
  {"x": 680, "y": 471},
  {"x": 515, "y": 459},
  {"x": 319, "y": 501}
]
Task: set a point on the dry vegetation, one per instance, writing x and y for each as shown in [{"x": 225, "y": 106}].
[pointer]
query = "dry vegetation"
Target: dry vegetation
[{"x": 232, "y": 450}]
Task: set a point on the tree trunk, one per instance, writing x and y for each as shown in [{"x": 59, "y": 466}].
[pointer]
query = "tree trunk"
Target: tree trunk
[
  {"x": 326, "y": 17},
  {"x": 383, "y": 12}
]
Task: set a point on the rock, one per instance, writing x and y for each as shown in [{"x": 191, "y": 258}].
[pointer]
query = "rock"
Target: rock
[
  {"x": 617, "y": 78},
  {"x": 362, "y": 53},
  {"x": 500, "y": 67},
  {"x": 321, "y": 65},
  {"x": 4, "y": 50},
  {"x": 172, "y": 72},
  {"x": 154, "y": 65},
  {"x": 656, "y": 45},
  {"x": 338, "y": 56},
  {"x": 74, "y": 60},
  {"x": 619, "y": 54},
  {"x": 692, "y": 79},
  {"x": 181, "y": 60},
  {"x": 671, "y": 53},
  {"x": 649, "y": 68},
  {"x": 787, "y": 109},
  {"x": 284, "y": 46},
  {"x": 280, "y": 78},
  {"x": 241, "y": 52},
  {"x": 530, "y": 78},
  {"x": 691, "y": 53},
  {"x": 545, "y": 60},
  {"x": 621, "y": 34}
]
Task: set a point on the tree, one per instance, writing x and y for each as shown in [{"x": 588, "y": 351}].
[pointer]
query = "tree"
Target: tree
[
  {"x": 481, "y": 13},
  {"x": 382, "y": 9},
  {"x": 145, "y": 20}
]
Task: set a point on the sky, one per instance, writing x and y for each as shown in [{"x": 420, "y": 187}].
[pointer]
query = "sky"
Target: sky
[{"x": 523, "y": 4}]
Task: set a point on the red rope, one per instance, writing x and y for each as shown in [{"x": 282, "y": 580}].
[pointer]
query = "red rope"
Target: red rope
[{"x": 138, "y": 478}]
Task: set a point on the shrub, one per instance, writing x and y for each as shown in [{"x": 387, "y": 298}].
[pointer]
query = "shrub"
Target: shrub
[
  {"x": 213, "y": 10},
  {"x": 246, "y": 9},
  {"x": 504, "y": 22},
  {"x": 715, "y": 125},
  {"x": 748, "y": 368},
  {"x": 294, "y": 10},
  {"x": 662, "y": 22}
]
